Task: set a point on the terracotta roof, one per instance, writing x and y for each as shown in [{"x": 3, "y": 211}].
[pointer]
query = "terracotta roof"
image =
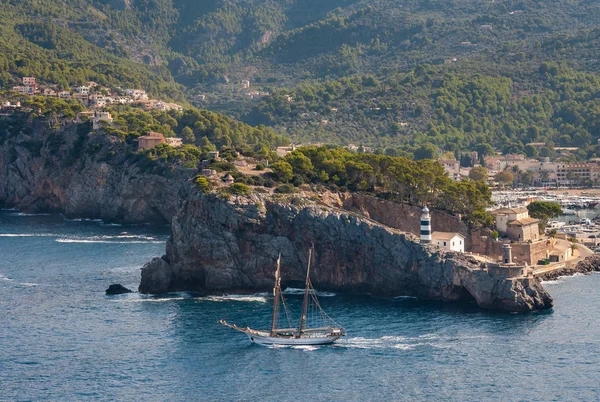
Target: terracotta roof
[
  {"x": 151, "y": 135},
  {"x": 445, "y": 235},
  {"x": 506, "y": 211},
  {"x": 523, "y": 222}
]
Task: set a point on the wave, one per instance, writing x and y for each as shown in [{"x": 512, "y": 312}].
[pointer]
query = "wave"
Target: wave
[
  {"x": 27, "y": 235},
  {"x": 240, "y": 298},
  {"x": 98, "y": 241},
  {"x": 4, "y": 278},
  {"x": 296, "y": 291},
  {"x": 83, "y": 220},
  {"x": 25, "y": 214}
]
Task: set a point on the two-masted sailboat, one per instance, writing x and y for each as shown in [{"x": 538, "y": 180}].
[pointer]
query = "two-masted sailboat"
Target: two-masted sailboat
[{"x": 315, "y": 329}]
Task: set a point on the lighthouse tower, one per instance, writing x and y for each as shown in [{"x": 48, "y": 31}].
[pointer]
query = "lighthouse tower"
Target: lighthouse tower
[{"x": 425, "y": 226}]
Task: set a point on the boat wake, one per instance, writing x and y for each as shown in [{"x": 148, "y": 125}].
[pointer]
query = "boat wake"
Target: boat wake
[{"x": 389, "y": 342}]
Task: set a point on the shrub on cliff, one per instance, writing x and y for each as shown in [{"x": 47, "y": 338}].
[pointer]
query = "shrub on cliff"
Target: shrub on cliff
[
  {"x": 285, "y": 189},
  {"x": 202, "y": 184},
  {"x": 239, "y": 189}
]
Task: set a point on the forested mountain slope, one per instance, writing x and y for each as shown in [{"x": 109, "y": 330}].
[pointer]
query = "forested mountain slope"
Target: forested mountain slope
[{"x": 411, "y": 64}]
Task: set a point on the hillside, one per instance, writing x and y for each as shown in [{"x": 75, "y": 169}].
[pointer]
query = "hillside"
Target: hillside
[{"x": 410, "y": 64}]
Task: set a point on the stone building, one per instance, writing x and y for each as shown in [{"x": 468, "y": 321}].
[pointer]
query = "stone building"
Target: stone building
[
  {"x": 516, "y": 224},
  {"x": 524, "y": 229},
  {"x": 505, "y": 215},
  {"x": 150, "y": 140}
]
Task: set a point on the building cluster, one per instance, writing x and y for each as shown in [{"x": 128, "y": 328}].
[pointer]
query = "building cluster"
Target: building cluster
[
  {"x": 94, "y": 96},
  {"x": 543, "y": 172},
  {"x": 518, "y": 245}
]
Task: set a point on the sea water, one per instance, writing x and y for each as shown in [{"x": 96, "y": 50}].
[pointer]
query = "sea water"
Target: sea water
[{"x": 62, "y": 338}]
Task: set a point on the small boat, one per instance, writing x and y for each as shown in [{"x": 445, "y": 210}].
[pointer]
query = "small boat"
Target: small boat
[{"x": 328, "y": 332}]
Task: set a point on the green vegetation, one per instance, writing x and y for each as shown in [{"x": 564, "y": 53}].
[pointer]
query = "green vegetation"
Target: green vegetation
[
  {"x": 389, "y": 74},
  {"x": 544, "y": 210},
  {"x": 396, "y": 178},
  {"x": 202, "y": 184},
  {"x": 478, "y": 173},
  {"x": 239, "y": 189}
]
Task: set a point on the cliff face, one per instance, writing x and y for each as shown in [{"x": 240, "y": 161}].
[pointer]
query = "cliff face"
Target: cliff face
[
  {"x": 84, "y": 175},
  {"x": 231, "y": 245}
]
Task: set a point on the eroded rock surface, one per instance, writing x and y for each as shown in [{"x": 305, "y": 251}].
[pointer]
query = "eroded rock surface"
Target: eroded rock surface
[{"x": 231, "y": 245}]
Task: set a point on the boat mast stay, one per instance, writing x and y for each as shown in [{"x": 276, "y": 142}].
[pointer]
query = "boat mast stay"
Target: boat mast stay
[
  {"x": 276, "y": 294},
  {"x": 306, "y": 295}
]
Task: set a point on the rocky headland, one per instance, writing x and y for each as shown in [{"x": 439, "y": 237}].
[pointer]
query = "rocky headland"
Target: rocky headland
[
  {"x": 83, "y": 174},
  {"x": 230, "y": 244}
]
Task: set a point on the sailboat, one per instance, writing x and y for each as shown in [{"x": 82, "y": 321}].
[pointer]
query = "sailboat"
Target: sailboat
[{"x": 328, "y": 332}]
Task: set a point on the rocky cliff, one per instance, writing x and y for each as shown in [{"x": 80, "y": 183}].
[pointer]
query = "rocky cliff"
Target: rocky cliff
[
  {"x": 230, "y": 245},
  {"x": 75, "y": 171}
]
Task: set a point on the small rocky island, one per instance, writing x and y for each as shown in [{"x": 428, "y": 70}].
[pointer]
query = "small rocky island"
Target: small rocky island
[{"x": 230, "y": 245}]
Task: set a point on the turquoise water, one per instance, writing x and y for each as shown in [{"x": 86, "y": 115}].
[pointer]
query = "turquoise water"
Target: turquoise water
[{"x": 61, "y": 338}]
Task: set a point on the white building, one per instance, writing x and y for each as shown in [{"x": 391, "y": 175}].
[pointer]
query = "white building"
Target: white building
[
  {"x": 449, "y": 241},
  {"x": 82, "y": 90}
]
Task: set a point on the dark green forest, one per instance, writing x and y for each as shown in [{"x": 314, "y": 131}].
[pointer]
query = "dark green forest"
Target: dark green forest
[{"x": 391, "y": 74}]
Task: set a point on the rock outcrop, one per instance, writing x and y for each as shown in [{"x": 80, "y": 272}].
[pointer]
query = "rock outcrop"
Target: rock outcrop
[
  {"x": 85, "y": 175},
  {"x": 586, "y": 266},
  {"x": 117, "y": 289},
  {"x": 221, "y": 245}
]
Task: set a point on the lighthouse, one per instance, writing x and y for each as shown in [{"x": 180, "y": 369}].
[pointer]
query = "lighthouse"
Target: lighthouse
[{"x": 425, "y": 226}]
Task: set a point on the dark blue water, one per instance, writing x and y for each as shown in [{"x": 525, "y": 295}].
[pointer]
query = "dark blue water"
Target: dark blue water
[{"x": 61, "y": 338}]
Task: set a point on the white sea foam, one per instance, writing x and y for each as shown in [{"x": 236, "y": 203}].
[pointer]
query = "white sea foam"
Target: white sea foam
[
  {"x": 385, "y": 342},
  {"x": 151, "y": 299},
  {"x": 296, "y": 291},
  {"x": 108, "y": 241},
  {"x": 404, "y": 298},
  {"x": 4, "y": 278},
  {"x": 24, "y": 214},
  {"x": 240, "y": 298},
  {"x": 27, "y": 235},
  {"x": 306, "y": 348}
]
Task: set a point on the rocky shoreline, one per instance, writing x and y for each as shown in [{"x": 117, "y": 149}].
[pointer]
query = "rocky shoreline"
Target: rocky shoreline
[
  {"x": 587, "y": 266},
  {"x": 231, "y": 244}
]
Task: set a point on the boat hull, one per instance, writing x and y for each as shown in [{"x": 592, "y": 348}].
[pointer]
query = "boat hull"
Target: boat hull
[{"x": 272, "y": 340}]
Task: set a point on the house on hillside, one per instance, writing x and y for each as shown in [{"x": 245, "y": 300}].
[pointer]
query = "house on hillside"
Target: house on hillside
[{"x": 150, "y": 140}]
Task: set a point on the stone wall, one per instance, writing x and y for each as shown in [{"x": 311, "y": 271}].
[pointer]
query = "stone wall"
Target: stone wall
[
  {"x": 406, "y": 218},
  {"x": 530, "y": 253}
]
